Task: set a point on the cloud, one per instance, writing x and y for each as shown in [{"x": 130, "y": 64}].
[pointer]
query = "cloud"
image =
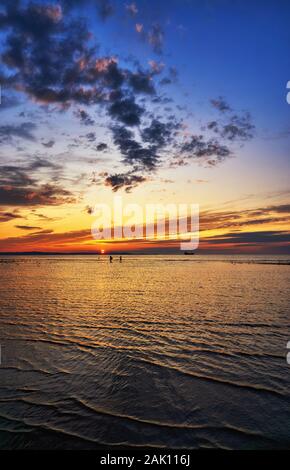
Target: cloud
[
  {"x": 24, "y": 185},
  {"x": 133, "y": 151},
  {"x": 126, "y": 181},
  {"x": 20, "y": 187},
  {"x": 127, "y": 111},
  {"x": 48, "y": 144},
  {"x": 139, "y": 28},
  {"x": 105, "y": 9},
  {"x": 23, "y": 131},
  {"x": 46, "y": 240},
  {"x": 7, "y": 216},
  {"x": 15, "y": 176},
  {"x": 209, "y": 152},
  {"x": 211, "y": 220},
  {"x": 234, "y": 127},
  {"x": 239, "y": 128},
  {"x": 282, "y": 208},
  {"x": 101, "y": 147},
  {"x": 252, "y": 238},
  {"x": 69, "y": 70},
  {"x": 61, "y": 73},
  {"x": 141, "y": 82},
  {"x": 156, "y": 38},
  {"x": 157, "y": 67},
  {"x": 84, "y": 117},
  {"x": 220, "y": 104},
  {"x": 132, "y": 9},
  {"x": 43, "y": 216},
  {"x": 91, "y": 136},
  {"x": 142, "y": 148},
  {"x": 42, "y": 195},
  {"x": 50, "y": 55},
  {"x": 8, "y": 101},
  {"x": 160, "y": 133},
  {"x": 27, "y": 227}
]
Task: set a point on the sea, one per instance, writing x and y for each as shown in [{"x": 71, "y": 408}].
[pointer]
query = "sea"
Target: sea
[{"x": 167, "y": 351}]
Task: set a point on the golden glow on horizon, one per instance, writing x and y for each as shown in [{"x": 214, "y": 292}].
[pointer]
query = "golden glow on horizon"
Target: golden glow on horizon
[{"x": 68, "y": 228}]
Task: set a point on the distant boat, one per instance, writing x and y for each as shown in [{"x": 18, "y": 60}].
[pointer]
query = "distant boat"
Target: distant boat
[{"x": 189, "y": 252}]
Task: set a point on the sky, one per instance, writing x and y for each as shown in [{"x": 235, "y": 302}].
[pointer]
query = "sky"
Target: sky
[{"x": 176, "y": 102}]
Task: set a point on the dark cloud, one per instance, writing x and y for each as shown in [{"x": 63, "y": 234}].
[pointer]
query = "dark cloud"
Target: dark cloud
[
  {"x": 142, "y": 149},
  {"x": 141, "y": 82},
  {"x": 282, "y": 208},
  {"x": 89, "y": 210},
  {"x": 127, "y": 111},
  {"x": 52, "y": 59},
  {"x": 228, "y": 219},
  {"x": 252, "y": 238},
  {"x": 27, "y": 227},
  {"x": 134, "y": 152},
  {"x": 112, "y": 77},
  {"x": 43, "y": 216},
  {"x": 7, "y": 216},
  {"x": 23, "y": 131},
  {"x": 19, "y": 185},
  {"x": 234, "y": 127},
  {"x": 46, "y": 239},
  {"x": 11, "y": 175},
  {"x": 160, "y": 133},
  {"x": 210, "y": 152},
  {"x": 165, "y": 81},
  {"x": 48, "y": 144},
  {"x": 213, "y": 126},
  {"x": 35, "y": 20},
  {"x": 105, "y": 9},
  {"x": 220, "y": 104},
  {"x": 50, "y": 54},
  {"x": 101, "y": 147},
  {"x": 91, "y": 136},
  {"x": 239, "y": 128},
  {"x": 126, "y": 181},
  {"x": 38, "y": 163},
  {"x": 170, "y": 78},
  {"x": 84, "y": 117},
  {"x": 42, "y": 195}
]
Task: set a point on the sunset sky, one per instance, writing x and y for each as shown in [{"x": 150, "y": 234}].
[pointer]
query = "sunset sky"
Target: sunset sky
[{"x": 177, "y": 101}]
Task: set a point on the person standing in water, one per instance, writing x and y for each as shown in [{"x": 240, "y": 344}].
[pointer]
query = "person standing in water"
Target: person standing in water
[
  {"x": 120, "y": 259},
  {"x": 111, "y": 259}
]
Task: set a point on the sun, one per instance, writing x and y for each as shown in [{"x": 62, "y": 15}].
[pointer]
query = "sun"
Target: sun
[{"x": 102, "y": 252}]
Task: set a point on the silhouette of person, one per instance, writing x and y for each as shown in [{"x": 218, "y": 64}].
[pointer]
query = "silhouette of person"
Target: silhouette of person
[
  {"x": 111, "y": 259},
  {"x": 120, "y": 259}
]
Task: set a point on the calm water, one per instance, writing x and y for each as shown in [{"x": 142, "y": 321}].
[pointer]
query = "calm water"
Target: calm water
[{"x": 161, "y": 351}]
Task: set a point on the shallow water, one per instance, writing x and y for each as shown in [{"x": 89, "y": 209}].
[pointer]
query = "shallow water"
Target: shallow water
[{"x": 174, "y": 351}]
